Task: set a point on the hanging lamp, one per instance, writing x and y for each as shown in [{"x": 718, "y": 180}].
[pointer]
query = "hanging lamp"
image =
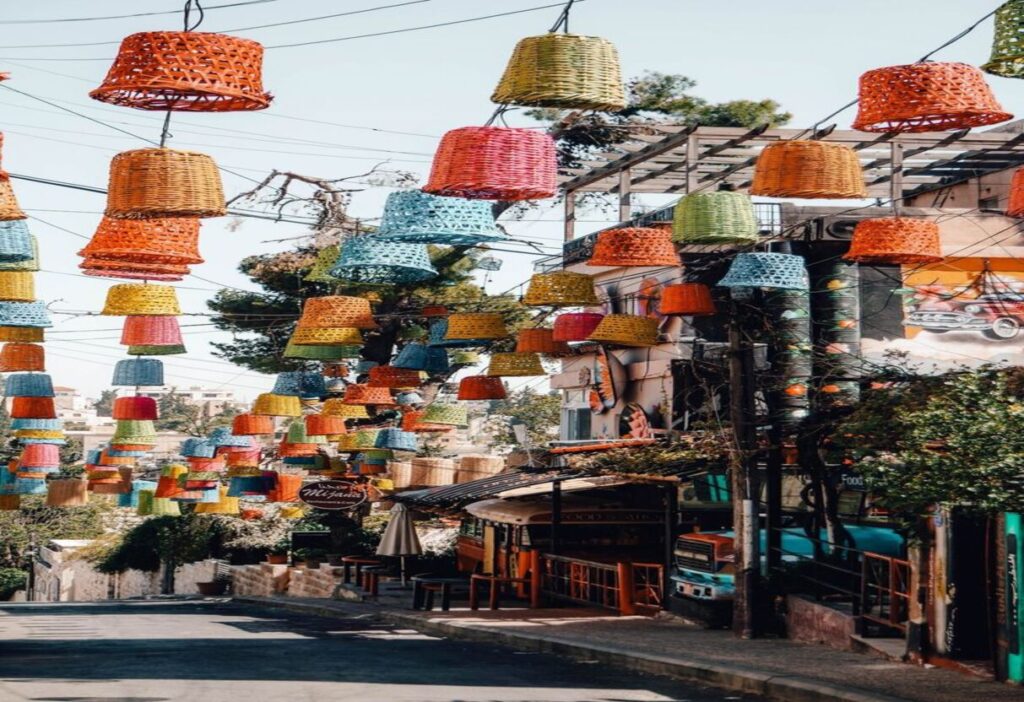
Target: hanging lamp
[
  {"x": 634, "y": 247},
  {"x": 575, "y": 326},
  {"x": 414, "y": 216},
  {"x": 185, "y": 71},
  {"x": 494, "y": 163},
  {"x": 721, "y": 217},
  {"x": 515, "y": 364},
  {"x": 808, "y": 169},
  {"x": 895, "y": 240},
  {"x": 371, "y": 261},
  {"x": 687, "y": 299},
  {"x": 159, "y": 182},
  {"x": 926, "y": 97},
  {"x": 626, "y": 330},
  {"x": 481, "y": 387},
  {"x": 337, "y": 311},
  {"x": 776, "y": 271}
]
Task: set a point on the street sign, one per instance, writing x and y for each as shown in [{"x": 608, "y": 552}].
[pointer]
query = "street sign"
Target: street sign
[{"x": 333, "y": 495}]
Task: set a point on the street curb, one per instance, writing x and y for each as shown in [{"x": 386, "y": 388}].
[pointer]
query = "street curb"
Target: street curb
[{"x": 786, "y": 688}]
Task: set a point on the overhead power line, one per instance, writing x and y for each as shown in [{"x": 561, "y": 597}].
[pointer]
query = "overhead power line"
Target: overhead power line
[{"x": 176, "y": 11}]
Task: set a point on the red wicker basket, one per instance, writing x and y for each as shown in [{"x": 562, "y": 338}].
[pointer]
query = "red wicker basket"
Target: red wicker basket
[
  {"x": 635, "y": 247},
  {"x": 494, "y": 163},
  {"x": 434, "y": 311},
  {"x": 575, "y": 326},
  {"x": 358, "y": 394},
  {"x": 391, "y": 377},
  {"x": 134, "y": 407},
  {"x": 286, "y": 488},
  {"x": 39, "y": 456},
  {"x": 926, "y": 97},
  {"x": 293, "y": 450},
  {"x": 411, "y": 422},
  {"x": 186, "y": 71},
  {"x": 150, "y": 330},
  {"x": 1015, "y": 205},
  {"x": 163, "y": 272},
  {"x": 481, "y": 387},
  {"x": 252, "y": 425},
  {"x": 171, "y": 240},
  {"x": 22, "y": 357},
  {"x": 895, "y": 240},
  {"x": 540, "y": 340},
  {"x": 33, "y": 408},
  {"x": 324, "y": 425},
  {"x": 689, "y": 299}
]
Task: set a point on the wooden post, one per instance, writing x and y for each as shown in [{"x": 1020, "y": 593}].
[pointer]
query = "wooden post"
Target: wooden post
[
  {"x": 896, "y": 181},
  {"x": 626, "y": 589},
  {"x": 569, "y": 232},
  {"x": 556, "y": 514},
  {"x": 535, "y": 579},
  {"x": 692, "y": 157},
  {"x": 625, "y": 195},
  {"x": 744, "y": 480}
]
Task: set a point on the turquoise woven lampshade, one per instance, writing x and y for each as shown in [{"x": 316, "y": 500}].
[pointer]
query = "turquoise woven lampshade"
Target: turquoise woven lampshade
[
  {"x": 15, "y": 242},
  {"x": 222, "y": 436},
  {"x": 197, "y": 448},
  {"x": 370, "y": 260},
  {"x": 766, "y": 270},
  {"x": 722, "y": 217},
  {"x": 420, "y": 357},
  {"x": 138, "y": 371},
  {"x": 396, "y": 440},
  {"x": 414, "y": 216},
  {"x": 24, "y": 314}
]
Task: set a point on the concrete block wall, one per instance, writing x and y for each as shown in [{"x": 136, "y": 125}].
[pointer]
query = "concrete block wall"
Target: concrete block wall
[
  {"x": 314, "y": 582},
  {"x": 263, "y": 580}
]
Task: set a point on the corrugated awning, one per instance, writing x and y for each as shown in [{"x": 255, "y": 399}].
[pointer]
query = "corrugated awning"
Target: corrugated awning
[{"x": 461, "y": 494}]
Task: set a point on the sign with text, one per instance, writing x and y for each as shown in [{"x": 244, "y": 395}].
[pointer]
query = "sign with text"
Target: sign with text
[{"x": 333, "y": 495}]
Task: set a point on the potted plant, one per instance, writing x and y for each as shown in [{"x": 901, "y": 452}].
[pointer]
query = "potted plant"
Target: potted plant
[
  {"x": 312, "y": 557},
  {"x": 278, "y": 553}
]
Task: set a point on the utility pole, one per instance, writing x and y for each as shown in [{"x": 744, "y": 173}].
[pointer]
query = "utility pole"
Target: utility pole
[{"x": 744, "y": 479}]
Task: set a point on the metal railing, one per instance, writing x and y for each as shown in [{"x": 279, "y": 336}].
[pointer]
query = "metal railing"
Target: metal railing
[
  {"x": 885, "y": 591},
  {"x": 832, "y": 572}
]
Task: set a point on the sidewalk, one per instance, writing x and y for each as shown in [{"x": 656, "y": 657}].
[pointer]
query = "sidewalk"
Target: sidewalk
[{"x": 775, "y": 668}]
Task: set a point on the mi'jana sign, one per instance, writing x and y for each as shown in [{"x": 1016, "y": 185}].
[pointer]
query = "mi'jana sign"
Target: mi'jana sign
[{"x": 332, "y": 494}]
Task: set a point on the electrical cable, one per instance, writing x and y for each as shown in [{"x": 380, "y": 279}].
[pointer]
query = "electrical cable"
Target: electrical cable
[{"x": 131, "y": 16}]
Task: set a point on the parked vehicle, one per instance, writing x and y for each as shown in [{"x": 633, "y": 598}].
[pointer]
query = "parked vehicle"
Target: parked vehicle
[{"x": 998, "y": 316}]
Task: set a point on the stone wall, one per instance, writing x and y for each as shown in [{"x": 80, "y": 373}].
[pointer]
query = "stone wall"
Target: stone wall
[
  {"x": 811, "y": 622},
  {"x": 266, "y": 580}
]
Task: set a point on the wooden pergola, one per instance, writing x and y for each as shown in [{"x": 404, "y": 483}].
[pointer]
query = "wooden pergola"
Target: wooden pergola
[{"x": 679, "y": 160}]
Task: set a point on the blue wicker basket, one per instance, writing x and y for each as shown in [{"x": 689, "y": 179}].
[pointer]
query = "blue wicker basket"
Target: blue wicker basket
[
  {"x": 396, "y": 440},
  {"x": 138, "y": 371},
  {"x": 300, "y": 384},
  {"x": 369, "y": 260},
  {"x": 409, "y": 398},
  {"x": 28, "y": 385},
  {"x": 416, "y": 356},
  {"x": 222, "y": 436},
  {"x": 131, "y": 499},
  {"x": 365, "y": 366},
  {"x": 54, "y": 442},
  {"x": 438, "y": 332},
  {"x": 38, "y": 424},
  {"x": 15, "y": 242},
  {"x": 766, "y": 270},
  {"x": 30, "y": 486},
  {"x": 126, "y": 454},
  {"x": 24, "y": 314},
  {"x": 414, "y": 216},
  {"x": 249, "y": 485},
  {"x": 197, "y": 448}
]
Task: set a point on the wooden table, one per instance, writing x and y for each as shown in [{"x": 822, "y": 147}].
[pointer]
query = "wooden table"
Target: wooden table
[
  {"x": 496, "y": 583},
  {"x": 358, "y": 561},
  {"x": 424, "y": 587}
]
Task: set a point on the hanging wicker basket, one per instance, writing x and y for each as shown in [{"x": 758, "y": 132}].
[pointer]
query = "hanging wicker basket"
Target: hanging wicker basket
[
  {"x": 416, "y": 356},
  {"x": 575, "y": 326},
  {"x": 301, "y": 384},
  {"x": 392, "y": 377},
  {"x": 39, "y": 456},
  {"x": 149, "y": 330},
  {"x": 417, "y": 217},
  {"x": 895, "y": 240},
  {"x": 687, "y": 299},
  {"x": 540, "y": 340},
  {"x": 446, "y": 414},
  {"x": 159, "y": 183},
  {"x": 412, "y": 420},
  {"x": 337, "y": 311},
  {"x": 1007, "y": 58},
  {"x": 126, "y": 270},
  {"x": 17, "y": 245},
  {"x": 325, "y": 425},
  {"x": 325, "y": 260},
  {"x": 481, "y": 387},
  {"x": 926, "y": 97},
  {"x": 474, "y": 467},
  {"x": 270, "y": 405},
  {"x": 134, "y": 431},
  {"x": 485, "y": 326},
  {"x": 626, "y": 330},
  {"x": 560, "y": 289},
  {"x": 337, "y": 407},
  {"x": 634, "y": 247},
  {"x": 28, "y": 385},
  {"x": 24, "y": 314},
  {"x": 515, "y": 365},
  {"x": 146, "y": 350},
  {"x": 252, "y": 425},
  {"x": 340, "y": 336},
  {"x": 433, "y": 472},
  {"x": 9, "y": 208},
  {"x": 494, "y": 163},
  {"x": 1015, "y": 204},
  {"x": 359, "y": 394},
  {"x": 141, "y": 299},
  {"x": 67, "y": 493},
  {"x": 808, "y": 169},
  {"x": 158, "y": 241},
  {"x": 21, "y": 334},
  {"x": 33, "y": 408},
  {"x": 324, "y": 352},
  {"x": 371, "y": 261},
  {"x": 565, "y": 71},
  {"x": 186, "y": 71},
  {"x": 134, "y": 407},
  {"x": 16, "y": 357},
  {"x": 775, "y": 271},
  {"x": 358, "y": 440},
  {"x": 17, "y": 285},
  {"x": 396, "y": 440},
  {"x": 721, "y": 217},
  {"x": 138, "y": 371}
]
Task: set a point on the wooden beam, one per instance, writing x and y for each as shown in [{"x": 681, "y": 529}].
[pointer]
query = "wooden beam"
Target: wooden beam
[
  {"x": 569, "y": 232},
  {"x": 625, "y": 195}
]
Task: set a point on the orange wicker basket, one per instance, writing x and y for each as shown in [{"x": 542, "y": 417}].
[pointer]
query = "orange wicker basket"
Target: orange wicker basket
[
  {"x": 1015, "y": 205},
  {"x": 325, "y": 425},
  {"x": 33, "y": 408},
  {"x": 358, "y": 394},
  {"x": 334, "y": 311},
  {"x": 173, "y": 240},
  {"x": 16, "y": 357},
  {"x": 186, "y": 71},
  {"x": 895, "y": 240},
  {"x": 540, "y": 340},
  {"x": 252, "y": 425},
  {"x": 494, "y": 163},
  {"x": 434, "y": 311},
  {"x": 808, "y": 169},
  {"x": 391, "y": 377},
  {"x": 9, "y": 208},
  {"x": 481, "y": 387},
  {"x": 126, "y": 270},
  {"x": 926, "y": 97},
  {"x": 634, "y": 246},
  {"x": 689, "y": 299},
  {"x": 150, "y": 330},
  {"x": 160, "y": 183},
  {"x": 411, "y": 422}
]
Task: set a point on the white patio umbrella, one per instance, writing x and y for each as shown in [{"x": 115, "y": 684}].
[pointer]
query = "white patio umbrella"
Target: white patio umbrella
[{"x": 399, "y": 538}]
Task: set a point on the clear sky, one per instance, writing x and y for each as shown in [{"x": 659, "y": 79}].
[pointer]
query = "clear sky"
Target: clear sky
[{"x": 803, "y": 53}]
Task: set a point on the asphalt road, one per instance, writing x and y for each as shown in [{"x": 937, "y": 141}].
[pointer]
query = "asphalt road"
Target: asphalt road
[{"x": 225, "y": 652}]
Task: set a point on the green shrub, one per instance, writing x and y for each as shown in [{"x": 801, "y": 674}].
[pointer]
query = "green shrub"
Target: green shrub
[{"x": 11, "y": 580}]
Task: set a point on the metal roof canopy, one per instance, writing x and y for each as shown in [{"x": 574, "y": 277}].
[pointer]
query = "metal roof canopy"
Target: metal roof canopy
[{"x": 679, "y": 160}]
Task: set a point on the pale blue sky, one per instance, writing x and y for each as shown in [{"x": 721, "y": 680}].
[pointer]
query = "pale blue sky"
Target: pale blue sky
[{"x": 807, "y": 55}]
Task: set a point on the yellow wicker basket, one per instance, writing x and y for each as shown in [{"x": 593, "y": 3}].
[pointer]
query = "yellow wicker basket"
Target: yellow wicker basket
[
  {"x": 626, "y": 330},
  {"x": 149, "y": 183},
  {"x": 476, "y": 325},
  {"x": 271, "y": 405},
  {"x": 29, "y": 335},
  {"x": 515, "y": 364},
  {"x": 566, "y": 71},
  {"x": 560, "y": 289},
  {"x": 17, "y": 285},
  {"x": 336, "y": 407},
  {"x": 304, "y": 336},
  {"x": 141, "y": 299}
]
